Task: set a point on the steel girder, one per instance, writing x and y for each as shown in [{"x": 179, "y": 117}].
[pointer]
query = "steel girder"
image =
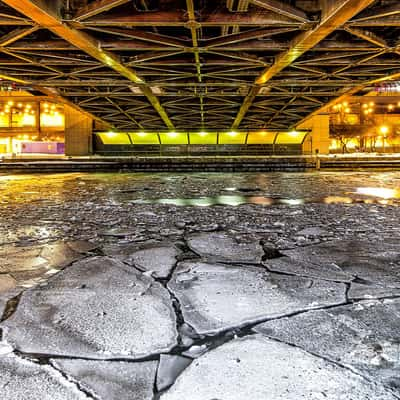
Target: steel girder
[{"x": 141, "y": 64}]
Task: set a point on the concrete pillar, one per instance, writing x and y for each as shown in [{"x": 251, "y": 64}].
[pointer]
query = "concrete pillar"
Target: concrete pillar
[
  {"x": 319, "y": 135},
  {"x": 10, "y": 145},
  {"x": 78, "y": 133}
]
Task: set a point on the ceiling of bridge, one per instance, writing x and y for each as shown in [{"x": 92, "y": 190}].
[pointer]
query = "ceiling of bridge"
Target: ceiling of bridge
[{"x": 199, "y": 64}]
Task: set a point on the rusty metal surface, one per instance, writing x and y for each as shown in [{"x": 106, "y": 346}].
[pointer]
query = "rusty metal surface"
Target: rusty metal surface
[{"x": 203, "y": 64}]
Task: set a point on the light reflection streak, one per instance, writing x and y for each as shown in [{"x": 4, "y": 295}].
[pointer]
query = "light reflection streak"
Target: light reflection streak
[{"x": 384, "y": 193}]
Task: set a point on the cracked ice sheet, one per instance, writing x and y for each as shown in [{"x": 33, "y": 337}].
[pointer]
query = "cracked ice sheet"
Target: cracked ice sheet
[
  {"x": 97, "y": 308},
  {"x": 374, "y": 264},
  {"x": 289, "y": 265},
  {"x": 52, "y": 255},
  {"x": 364, "y": 336},
  {"x": 23, "y": 380},
  {"x": 158, "y": 259},
  {"x": 111, "y": 380},
  {"x": 258, "y": 368},
  {"x": 217, "y": 297},
  {"x": 219, "y": 246}
]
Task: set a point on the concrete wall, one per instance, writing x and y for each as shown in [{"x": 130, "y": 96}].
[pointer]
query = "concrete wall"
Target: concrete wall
[
  {"x": 319, "y": 137},
  {"x": 78, "y": 133}
]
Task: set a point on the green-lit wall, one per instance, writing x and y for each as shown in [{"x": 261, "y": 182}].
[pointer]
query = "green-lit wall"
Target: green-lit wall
[
  {"x": 201, "y": 138},
  {"x": 200, "y": 143}
]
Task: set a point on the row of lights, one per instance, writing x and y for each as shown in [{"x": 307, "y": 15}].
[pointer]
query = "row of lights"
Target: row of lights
[
  {"x": 368, "y": 108},
  {"x": 17, "y": 109},
  {"x": 174, "y": 134},
  {"x": 35, "y": 137}
]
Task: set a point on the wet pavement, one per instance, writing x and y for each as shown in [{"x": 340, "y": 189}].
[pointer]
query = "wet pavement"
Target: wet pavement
[{"x": 200, "y": 286}]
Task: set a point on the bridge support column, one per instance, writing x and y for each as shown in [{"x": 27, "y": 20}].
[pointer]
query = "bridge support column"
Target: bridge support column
[
  {"x": 319, "y": 140},
  {"x": 78, "y": 133}
]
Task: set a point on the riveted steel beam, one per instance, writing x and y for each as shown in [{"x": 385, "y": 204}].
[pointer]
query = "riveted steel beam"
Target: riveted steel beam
[
  {"x": 282, "y": 9},
  {"x": 354, "y": 90},
  {"x": 97, "y": 7},
  {"x": 17, "y": 34},
  {"x": 53, "y": 94},
  {"x": 41, "y": 15},
  {"x": 335, "y": 18}
]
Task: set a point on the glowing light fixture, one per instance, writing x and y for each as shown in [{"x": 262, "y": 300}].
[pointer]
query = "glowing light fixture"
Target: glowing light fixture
[
  {"x": 384, "y": 193},
  {"x": 384, "y": 129},
  {"x": 172, "y": 134},
  {"x": 111, "y": 134},
  {"x": 203, "y": 133},
  {"x": 232, "y": 133},
  {"x": 141, "y": 134},
  {"x": 390, "y": 107},
  {"x": 293, "y": 133}
]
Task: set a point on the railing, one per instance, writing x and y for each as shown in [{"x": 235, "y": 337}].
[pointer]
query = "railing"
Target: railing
[{"x": 199, "y": 150}]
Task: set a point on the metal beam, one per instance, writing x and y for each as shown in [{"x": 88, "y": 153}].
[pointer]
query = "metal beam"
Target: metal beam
[
  {"x": 345, "y": 96},
  {"x": 179, "y": 18},
  {"x": 17, "y": 34},
  {"x": 339, "y": 15},
  {"x": 37, "y": 11},
  {"x": 367, "y": 35},
  {"x": 193, "y": 25},
  {"x": 282, "y": 9},
  {"x": 53, "y": 94},
  {"x": 97, "y": 7},
  {"x": 141, "y": 35},
  {"x": 245, "y": 36}
]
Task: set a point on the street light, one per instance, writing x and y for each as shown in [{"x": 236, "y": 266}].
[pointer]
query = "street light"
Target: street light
[{"x": 384, "y": 129}]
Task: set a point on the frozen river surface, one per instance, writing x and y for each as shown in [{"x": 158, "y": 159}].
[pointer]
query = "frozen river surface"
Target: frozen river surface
[{"x": 200, "y": 286}]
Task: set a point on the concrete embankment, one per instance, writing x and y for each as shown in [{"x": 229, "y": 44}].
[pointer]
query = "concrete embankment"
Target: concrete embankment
[{"x": 200, "y": 164}]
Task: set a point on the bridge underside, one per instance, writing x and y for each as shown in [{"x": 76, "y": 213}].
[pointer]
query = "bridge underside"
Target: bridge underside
[{"x": 199, "y": 64}]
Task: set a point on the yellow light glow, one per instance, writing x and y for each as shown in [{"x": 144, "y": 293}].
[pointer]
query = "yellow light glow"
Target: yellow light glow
[
  {"x": 293, "y": 133},
  {"x": 111, "y": 134},
  {"x": 371, "y": 103},
  {"x": 10, "y": 103},
  {"x": 232, "y": 133},
  {"x": 365, "y": 105},
  {"x": 28, "y": 120},
  {"x": 19, "y": 105},
  {"x": 172, "y": 134},
  {"x": 28, "y": 106},
  {"x": 141, "y": 134},
  {"x": 347, "y": 110},
  {"x": 383, "y": 193},
  {"x": 390, "y": 107},
  {"x": 49, "y": 120},
  {"x": 202, "y": 133},
  {"x": 345, "y": 104},
  {"x": 384, "y": 129}
]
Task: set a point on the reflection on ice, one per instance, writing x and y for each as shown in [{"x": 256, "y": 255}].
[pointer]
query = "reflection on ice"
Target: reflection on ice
[
  {"x": 237, "y": 200},
  {"x": 383, "y": 193}
]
